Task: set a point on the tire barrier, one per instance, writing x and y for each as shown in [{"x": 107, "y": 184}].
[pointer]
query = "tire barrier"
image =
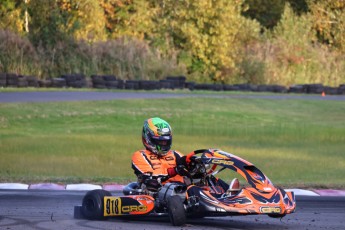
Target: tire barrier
[
  {"x": 176, "y": 82},
  {"x": 75, "y": 80},
  {"x": 170, "y": 82},
  {"x": 12, "y": 80},
  {"x": 3, "y": 78}
]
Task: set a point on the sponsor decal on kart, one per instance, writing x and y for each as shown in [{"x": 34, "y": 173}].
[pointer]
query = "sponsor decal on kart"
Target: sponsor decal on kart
[
  {"x": 224, "y": 162},
  {"x": 270, "y": 209}
]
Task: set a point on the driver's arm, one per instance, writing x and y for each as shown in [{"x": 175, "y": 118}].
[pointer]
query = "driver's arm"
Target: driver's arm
[{"x": 180, "y": 168}]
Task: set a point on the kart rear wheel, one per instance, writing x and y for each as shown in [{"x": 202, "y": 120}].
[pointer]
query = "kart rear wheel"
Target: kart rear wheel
[
  {"x": 77, "y": 213},
  {"x": 176, "y": 211},
  {"x": 93, "y": 204}
]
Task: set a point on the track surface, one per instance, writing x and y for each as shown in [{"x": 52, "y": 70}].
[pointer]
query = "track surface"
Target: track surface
[
  {"x": 47, "y": 209},
  {"x": 8, "y": 97}
]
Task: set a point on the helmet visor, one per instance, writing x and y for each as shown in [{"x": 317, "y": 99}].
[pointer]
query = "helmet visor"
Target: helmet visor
[{"x": 163, "y": 142}]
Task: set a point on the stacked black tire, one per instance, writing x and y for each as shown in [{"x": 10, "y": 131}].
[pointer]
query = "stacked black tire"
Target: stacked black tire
[
  {"x": 149, "y": 85},
  {"x": 32, "y": 81},
  {"x": 106, "y": 82},
  {"x": 212, "y": 87},
  {"x": 75, "y": 80},
  {"x": 58, "y": 82},
  {"x": 12, "y": 80},
  {"x": 132, "y": 85},
  {"x": 341, "y": 89},
  {"x": 3, "y": 80},
  {"x": 177, "y": 82},
  {"x": 317, "y": 89}
]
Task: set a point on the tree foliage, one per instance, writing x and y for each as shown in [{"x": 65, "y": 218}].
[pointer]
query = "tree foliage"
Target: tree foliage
[
  {"x": 206, "y": 31},
  {"x": 216, "y": 40},
  {"x": 299, "y": 6},
  {"x": 329, "y": 22},
  {"x": 91, "y": 20},
  {"x": 131, "y": 18},
  {"x": 268, "y": 13},
  {"x": 290, "y": 54},
  {"x": 10, "y": 15},
  {"x": 56, "y": 20},
  {"x": 292, "y": 40},
  {"x": 49, "y": 23}
]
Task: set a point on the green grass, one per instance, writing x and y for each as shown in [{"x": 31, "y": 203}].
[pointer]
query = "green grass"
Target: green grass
[{"x": 294, "y": 142}]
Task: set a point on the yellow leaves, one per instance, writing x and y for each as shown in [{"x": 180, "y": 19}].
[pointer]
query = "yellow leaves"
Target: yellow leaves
[
  {"x": 131, "y": 18},
  {"x": 337, "y": 4},
  {"x": 211, "y": 38},
  {"x": 65, "y": 5},
  {"x": 329, "y": 20},
  {"x": 91, "y": 16},
  {"x": 12, "y": 20},
  {"x": 206, "y": 26}
]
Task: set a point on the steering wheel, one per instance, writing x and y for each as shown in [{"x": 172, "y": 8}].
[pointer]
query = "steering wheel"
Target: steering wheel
[{"x": 190, "y": 158}]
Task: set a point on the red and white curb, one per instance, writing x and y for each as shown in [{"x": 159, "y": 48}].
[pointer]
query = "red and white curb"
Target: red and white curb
[
  {"x": 119, "y": 187},
  {"x": 53, "y": 186}
]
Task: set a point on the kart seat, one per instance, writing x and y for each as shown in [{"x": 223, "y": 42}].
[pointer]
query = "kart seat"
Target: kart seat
[{"x": 234, "y": 187}]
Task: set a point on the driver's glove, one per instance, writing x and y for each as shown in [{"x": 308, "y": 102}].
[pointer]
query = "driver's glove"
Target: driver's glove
[{"x": 181, "y": 168}]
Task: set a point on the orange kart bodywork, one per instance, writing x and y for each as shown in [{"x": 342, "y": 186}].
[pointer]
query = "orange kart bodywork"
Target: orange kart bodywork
[
  {"x": 247, "y": 202},
  {"x": 261, "y": 198}
]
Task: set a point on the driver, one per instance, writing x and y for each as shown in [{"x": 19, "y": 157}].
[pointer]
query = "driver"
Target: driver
[{"x": 157, "y": 164}]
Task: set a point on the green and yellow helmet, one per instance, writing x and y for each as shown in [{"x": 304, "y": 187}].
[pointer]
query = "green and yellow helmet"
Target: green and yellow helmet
[{"x": 157, "y": 136}]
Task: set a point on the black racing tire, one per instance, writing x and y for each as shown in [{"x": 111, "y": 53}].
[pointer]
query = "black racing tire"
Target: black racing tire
[
  {"x": 276, "y": 215},
  {"x": 197, "y": 215},
  {"x": 77, "y": 213},
  {"x": 93, "y": 204},
  {"x": 176, "y": 211}
]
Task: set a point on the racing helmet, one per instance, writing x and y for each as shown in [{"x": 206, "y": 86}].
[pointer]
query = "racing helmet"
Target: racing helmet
[{"x": 157, "y": 136}]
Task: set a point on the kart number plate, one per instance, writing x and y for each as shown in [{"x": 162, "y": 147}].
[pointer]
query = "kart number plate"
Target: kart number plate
[
  {"x": 112, "y": 206},
  {"x": 117, "y": 206}
]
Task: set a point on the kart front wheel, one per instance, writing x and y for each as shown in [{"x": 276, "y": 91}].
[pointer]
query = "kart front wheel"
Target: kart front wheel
[
  {"x": 93, "y": 204},
  {"x": 176, "y": 211},
  {"x": 276, "y": 215}
]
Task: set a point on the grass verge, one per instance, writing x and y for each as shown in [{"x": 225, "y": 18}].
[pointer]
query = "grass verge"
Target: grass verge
[{"x": 294, "y": 142}]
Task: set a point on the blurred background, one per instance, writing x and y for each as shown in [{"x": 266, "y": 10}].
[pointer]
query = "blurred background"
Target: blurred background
[{"x": 282, "y": 42}]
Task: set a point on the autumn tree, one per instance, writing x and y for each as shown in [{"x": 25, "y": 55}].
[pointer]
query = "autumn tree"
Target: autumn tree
[
  {"x": 48, "y": 24},
  {"x": 131, "y": 18},
  {"x": 55, "y": 20},
  {"x": 268, "y": 13},
  {"x": 206, "y": 31},
  {"x": 89, "y": 16},
  {"x": 329, "y": 22},
  {"x": 299, "y": 6},
  {"x": 11, "y": 15}
]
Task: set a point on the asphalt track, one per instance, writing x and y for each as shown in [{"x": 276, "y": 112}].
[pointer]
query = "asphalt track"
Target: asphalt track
[
  {"x": 53, "y": 210},
  {"x": 17, "y": 97}
]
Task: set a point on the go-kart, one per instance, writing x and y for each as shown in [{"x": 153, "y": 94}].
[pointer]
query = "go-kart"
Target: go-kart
[{"x": 202, "y": 196}]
